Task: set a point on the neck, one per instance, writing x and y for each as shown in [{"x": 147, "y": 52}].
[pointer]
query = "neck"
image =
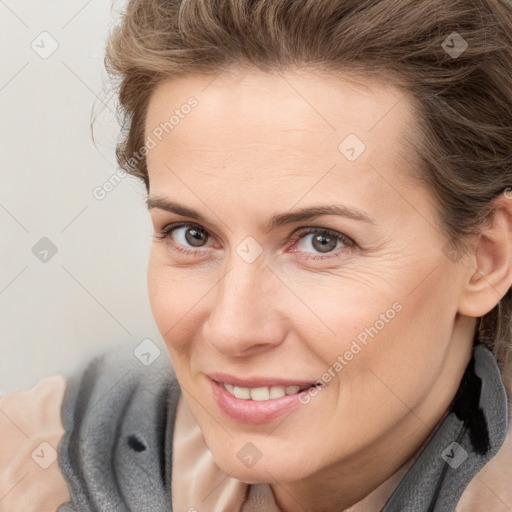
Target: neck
[{"x": 366, "y": 482}]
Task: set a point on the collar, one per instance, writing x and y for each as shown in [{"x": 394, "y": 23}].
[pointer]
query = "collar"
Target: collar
[{"x": 472, "y": 432}]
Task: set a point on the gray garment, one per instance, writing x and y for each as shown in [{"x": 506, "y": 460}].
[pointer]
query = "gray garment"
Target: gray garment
[
  {"x": 116, "y": 451},
  {"x": 118, "y": 417}
]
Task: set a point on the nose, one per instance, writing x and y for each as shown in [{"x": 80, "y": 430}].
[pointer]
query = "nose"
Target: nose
[{"x": 246, "y": 318}]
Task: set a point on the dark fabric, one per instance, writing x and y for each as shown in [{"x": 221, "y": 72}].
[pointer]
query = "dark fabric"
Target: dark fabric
[{"x": 118, "y": 417}]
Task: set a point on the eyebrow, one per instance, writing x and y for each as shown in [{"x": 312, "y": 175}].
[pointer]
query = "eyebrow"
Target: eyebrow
[{"x": 277, "y": 220}]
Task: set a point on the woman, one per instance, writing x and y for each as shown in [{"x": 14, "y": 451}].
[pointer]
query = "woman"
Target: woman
[{"x": 328, "y": 183}]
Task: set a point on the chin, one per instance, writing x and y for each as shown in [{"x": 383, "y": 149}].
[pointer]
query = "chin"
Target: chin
[{"x": 267, "y": 470}]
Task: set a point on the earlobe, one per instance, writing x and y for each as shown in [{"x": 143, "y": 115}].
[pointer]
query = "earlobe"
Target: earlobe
[{"x": 490, "y": 270}]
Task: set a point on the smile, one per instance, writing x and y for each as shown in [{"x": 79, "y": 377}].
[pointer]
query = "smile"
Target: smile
[{"x": 258, "y": 403}]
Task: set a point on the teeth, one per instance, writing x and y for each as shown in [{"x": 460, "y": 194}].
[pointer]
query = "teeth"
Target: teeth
[
  {"x": 260, "y": 394},
  {"x": 242, "y": 393},
  {"x": 263, "y": 393},
  {"x": 277, "y": 392}
]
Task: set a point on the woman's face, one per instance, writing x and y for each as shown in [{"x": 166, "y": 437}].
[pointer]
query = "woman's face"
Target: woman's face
[{"x": 302, "y": 252}]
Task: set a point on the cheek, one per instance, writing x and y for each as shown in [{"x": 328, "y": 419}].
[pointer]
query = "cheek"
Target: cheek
[
  {"x": 163, "y": 292},
  {"x": 394, "y": 359},
  {"x": 158, "y": 295},
  {"x": 387, "y": 336},
  {"x": 177, "y": 297},
  {"x": 334, "y": 312}
]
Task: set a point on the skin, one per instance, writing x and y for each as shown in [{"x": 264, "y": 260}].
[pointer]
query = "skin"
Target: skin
[{"x": 256, "y": 135}]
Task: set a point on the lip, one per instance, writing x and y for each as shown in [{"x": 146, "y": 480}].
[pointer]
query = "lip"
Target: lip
[{"x": 252, "y": 411}]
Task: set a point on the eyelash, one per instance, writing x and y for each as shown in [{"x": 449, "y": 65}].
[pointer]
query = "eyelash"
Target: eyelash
[{"x": 165, "y": 232}]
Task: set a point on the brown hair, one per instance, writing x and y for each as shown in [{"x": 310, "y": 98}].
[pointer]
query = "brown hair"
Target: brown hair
[{"x": 463, "y": 100}]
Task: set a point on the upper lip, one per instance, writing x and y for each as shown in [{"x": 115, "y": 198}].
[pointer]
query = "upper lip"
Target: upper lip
[{"x": 257, "y": 382}]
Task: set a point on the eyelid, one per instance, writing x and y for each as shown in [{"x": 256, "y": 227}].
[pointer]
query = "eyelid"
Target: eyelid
[
  {"x": 180, "y": 224},
  {"x": 300, "y": 232}
]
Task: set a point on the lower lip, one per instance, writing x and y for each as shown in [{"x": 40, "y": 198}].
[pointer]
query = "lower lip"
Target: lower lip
[{"x": 252, "y": 411}]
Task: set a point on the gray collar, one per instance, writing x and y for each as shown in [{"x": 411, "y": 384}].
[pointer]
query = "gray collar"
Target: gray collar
[{"x": 471, "y": 433}]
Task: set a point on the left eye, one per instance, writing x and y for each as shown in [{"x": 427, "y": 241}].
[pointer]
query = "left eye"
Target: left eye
[{"x": 322, "y": 240}]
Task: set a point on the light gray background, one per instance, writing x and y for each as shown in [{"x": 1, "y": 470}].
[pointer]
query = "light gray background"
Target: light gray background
[{"x": 91, "y": 295}]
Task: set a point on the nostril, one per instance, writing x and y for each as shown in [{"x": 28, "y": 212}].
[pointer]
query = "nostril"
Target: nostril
[{"x": 136, "y": 444}]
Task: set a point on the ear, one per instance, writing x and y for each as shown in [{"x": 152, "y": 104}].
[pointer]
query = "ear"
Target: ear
[{"x": 489, "y": 273}]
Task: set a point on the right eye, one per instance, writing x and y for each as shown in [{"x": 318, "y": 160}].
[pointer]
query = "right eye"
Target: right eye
[{"x": 184, "y": 237}]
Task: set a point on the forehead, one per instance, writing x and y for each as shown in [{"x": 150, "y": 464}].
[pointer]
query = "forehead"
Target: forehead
[{"x": 254, "y": 129}]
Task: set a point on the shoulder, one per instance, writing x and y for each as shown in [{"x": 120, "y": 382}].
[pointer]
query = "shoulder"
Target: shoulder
[
  {"x": 118, "y": 416},
  {"x": 57, "y": 439},
  {"x": 30, "y": 433}
]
